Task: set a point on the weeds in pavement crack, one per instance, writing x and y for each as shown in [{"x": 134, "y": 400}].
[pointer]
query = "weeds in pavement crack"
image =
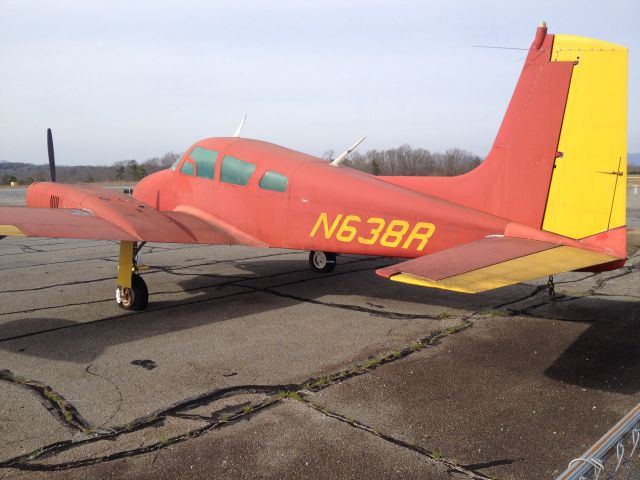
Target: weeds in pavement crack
[
  {"x": 64, "y": 410},
  {"x": 434, "y": 455},
  {"x": 276, "y": 393}
]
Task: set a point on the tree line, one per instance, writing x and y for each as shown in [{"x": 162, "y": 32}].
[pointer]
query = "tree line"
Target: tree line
[
  {"x": 403, "y": 160},
  {"x": 408, "y": 161},
  {"x": 124, "y": 170}
]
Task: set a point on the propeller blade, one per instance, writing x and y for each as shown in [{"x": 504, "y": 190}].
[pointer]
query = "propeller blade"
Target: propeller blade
[{"x": 52, "y": 157}]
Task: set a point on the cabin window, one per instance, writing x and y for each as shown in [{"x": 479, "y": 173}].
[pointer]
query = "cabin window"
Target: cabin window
[
  {"x": 187, "y": 168},
  {"x": 205, "y": 162},
  {"x": 236, "y": 171},
  {"x": 273, "y": 181}
]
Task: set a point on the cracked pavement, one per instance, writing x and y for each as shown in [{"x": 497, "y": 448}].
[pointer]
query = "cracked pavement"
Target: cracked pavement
[{"x": 249, "y": 365}]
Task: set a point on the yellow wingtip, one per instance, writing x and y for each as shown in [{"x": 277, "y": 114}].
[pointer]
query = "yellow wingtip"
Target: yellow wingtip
[{"x": 11, "y": 231}]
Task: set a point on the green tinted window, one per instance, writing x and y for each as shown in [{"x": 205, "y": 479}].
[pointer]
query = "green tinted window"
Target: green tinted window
[
  {"x": 273, "y": 181},
  {"x": 236, "y": 171},
  {"x": 187, "y": 168},
  {"x": 205, "y": 161}
]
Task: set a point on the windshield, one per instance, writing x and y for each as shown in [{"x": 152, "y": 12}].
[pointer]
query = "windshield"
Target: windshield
[{"x": 176, "y": 163}]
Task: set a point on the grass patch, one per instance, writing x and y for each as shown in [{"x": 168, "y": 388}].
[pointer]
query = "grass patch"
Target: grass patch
[
  {"x": 321, "y": 382},
  {"x": 61, "y": 402},
  {"x": 455, "y": 329},
  {"x": 371, "y": 362},
  {"x": 319, "y": 406},
  {"x": 288, "y": 394},
  {"x": 494, "y": 313}
]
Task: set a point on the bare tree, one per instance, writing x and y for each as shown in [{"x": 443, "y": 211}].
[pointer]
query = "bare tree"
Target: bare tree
[
  {"x": 405, "y": 160},
  {"x": 329, "y": 154}
]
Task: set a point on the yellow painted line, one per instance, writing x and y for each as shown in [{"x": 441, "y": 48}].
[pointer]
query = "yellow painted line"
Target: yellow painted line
[{"x": 11, "y": 230}]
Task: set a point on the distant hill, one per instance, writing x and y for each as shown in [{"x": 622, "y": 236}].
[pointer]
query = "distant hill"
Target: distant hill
[{"x": 633, "y": 158}]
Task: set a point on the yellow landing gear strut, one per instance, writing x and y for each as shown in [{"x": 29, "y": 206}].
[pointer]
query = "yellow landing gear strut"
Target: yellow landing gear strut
[{"x": 131, "y": 293}]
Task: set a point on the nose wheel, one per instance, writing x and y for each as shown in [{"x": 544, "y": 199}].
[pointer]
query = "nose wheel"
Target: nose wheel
[
  {"x": 322, "y": 262},
  {"x": 131, "y": 292}
]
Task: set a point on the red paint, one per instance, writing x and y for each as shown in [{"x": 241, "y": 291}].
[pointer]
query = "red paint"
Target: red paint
[
  {"x": 99, "y": 213},
  {"x": 472, "y": 256},
  {"x": 614, "y": 240},
  {"x": 513, "y": 181},
  {"x": 541, "y": 33}
]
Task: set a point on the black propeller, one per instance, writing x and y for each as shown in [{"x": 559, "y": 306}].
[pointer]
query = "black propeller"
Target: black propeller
[{"x": 52, "y": 157}]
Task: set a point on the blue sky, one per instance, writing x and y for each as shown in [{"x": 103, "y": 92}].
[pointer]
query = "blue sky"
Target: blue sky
[{"x": 135, "y": 79}]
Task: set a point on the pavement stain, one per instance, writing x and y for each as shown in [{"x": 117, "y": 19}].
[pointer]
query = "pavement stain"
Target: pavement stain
[{"x": 144, "y": 363}]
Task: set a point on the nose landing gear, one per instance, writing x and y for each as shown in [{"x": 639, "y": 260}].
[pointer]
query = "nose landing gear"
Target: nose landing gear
[{"x": 131, "y": 292}]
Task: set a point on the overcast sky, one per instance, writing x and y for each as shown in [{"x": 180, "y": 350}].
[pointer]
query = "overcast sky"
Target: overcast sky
[{"x": 135, "y": 79}]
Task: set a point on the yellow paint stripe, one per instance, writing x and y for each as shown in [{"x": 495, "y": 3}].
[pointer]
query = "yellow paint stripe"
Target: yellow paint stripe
[
  {"x": 11, "y": 230},
  {"x": 541, "y": 264}
]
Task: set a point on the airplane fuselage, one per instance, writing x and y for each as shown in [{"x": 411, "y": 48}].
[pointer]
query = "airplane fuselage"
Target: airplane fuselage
[{"x": 321, "y": 207}]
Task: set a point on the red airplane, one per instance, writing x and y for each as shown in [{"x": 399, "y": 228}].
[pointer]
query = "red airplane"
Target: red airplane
[{"x": 550, "y": 197}]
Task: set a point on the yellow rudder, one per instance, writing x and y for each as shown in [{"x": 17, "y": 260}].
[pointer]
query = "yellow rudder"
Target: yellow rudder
[{"x": 588, "y": 191}]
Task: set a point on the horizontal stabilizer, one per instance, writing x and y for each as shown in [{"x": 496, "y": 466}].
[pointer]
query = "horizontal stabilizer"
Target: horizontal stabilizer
[{"x": 492, "y": 262}]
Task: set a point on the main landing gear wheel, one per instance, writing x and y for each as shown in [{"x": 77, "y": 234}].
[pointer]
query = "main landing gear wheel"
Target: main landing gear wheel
[
  {"x": 134, "y": 298},
  {"x": 322, "y": 262}
]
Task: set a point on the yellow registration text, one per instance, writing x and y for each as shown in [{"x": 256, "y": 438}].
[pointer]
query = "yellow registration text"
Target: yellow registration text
[{"x": 374, "y": 230}]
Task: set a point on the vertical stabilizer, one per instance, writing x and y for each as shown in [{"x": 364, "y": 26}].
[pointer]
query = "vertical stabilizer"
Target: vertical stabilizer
[{"x": 559, "y": 160}]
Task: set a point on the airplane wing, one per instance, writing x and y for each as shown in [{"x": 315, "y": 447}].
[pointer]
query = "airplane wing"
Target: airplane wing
[
  {"x": 87, "y": 212},
  {"x": 493, "y": 262},
  {"x": 141, "y": 224}
]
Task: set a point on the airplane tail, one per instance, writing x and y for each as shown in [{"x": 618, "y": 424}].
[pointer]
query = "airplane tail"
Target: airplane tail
[{"x": 559, "y": 160}]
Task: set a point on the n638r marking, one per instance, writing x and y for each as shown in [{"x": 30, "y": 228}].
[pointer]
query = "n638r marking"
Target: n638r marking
[{"x": 347, "y": 228}]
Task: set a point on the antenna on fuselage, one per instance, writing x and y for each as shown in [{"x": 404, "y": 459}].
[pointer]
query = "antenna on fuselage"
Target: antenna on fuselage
[
  {"x": 239, "y": 129},
  {"x": 341, "y": 158}
]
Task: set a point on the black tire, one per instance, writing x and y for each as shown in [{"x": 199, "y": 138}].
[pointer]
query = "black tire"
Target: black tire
[
  {"x": 322, "y": 262},
  {"x": 134, "y": 298}
]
